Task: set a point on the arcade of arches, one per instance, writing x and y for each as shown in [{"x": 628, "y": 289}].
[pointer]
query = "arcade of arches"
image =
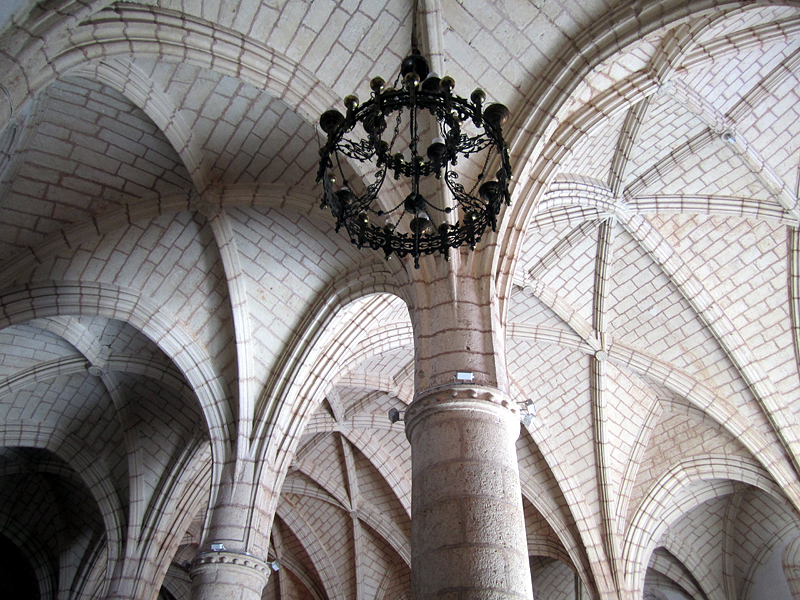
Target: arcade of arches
[{"x": 196, "y": 369}]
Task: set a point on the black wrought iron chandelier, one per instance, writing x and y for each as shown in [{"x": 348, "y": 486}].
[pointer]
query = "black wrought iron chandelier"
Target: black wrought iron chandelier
[{"x": 467, "y": 133}]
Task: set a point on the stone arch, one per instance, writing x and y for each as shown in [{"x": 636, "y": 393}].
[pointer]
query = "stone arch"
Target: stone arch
[
  {"x": 59, "y": 298},
  {"x": 790, "y": 561},
  {"x": 140, "y": 90},
  {"x": 651, "y": 517},
  {"x": 34, "y": 553},
  {"x": 149, "y": 31},
  {"x": 320, "y": 556},
  {"x": 618, "y": 29},
  {"x": 180, "y": 496},
  {"x": 570, "y": 550},
  {"x": 307, "y": 389},
  {"x": 92, "y": 472},
  {"x": 299, "y": 387}
]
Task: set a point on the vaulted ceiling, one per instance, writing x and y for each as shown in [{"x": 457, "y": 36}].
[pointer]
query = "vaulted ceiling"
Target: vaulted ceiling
[{"x": 167, "y": 280}]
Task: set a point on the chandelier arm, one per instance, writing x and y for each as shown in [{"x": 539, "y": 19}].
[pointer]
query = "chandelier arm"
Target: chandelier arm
[
  {"x": 482, "y": 174},
  {"x": 372, "y": 191}
]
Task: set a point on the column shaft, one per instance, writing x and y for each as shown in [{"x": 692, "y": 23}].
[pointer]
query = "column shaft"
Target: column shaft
[{"x": 468, "y": 527}]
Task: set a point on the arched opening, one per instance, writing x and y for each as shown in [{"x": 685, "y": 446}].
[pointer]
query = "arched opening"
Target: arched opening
[{"x": 17, "y": 577}]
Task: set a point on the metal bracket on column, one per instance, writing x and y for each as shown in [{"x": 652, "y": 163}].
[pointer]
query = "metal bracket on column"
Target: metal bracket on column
[
  {"x": 396, "y": 415},
  {"x": 527, "y": 411}
]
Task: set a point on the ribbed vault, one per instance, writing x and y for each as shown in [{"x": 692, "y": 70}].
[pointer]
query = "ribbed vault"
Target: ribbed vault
[{"x": 176, "y": 312}]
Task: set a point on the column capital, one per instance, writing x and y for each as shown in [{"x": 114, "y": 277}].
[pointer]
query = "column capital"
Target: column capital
[
  {"x": 459, "y": 396},
  {"x": 226, "y": 575},
  {"x": 235, "y": 559}
]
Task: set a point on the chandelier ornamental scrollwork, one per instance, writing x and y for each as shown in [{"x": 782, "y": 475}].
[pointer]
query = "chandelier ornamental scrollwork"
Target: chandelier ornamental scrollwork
[{"x": 384, "y": 132}]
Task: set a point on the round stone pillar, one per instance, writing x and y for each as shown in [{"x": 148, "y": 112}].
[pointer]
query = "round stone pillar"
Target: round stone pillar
[
  {"x": 468, "y": 537},
  {"x": 228, "y": 576}
]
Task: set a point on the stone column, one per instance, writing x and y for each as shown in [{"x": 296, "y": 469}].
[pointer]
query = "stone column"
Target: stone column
[
  {"x": 231, "y": 562},
  {"x": 468, "y": 528},
  {"x": 228, "y": 576},
  {"x": 791, "y": 566}
]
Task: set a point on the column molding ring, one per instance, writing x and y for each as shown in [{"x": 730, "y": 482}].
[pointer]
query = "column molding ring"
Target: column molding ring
[
  {"x": 239, "y": 559},
  {"x": 460, "y": 396}
]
